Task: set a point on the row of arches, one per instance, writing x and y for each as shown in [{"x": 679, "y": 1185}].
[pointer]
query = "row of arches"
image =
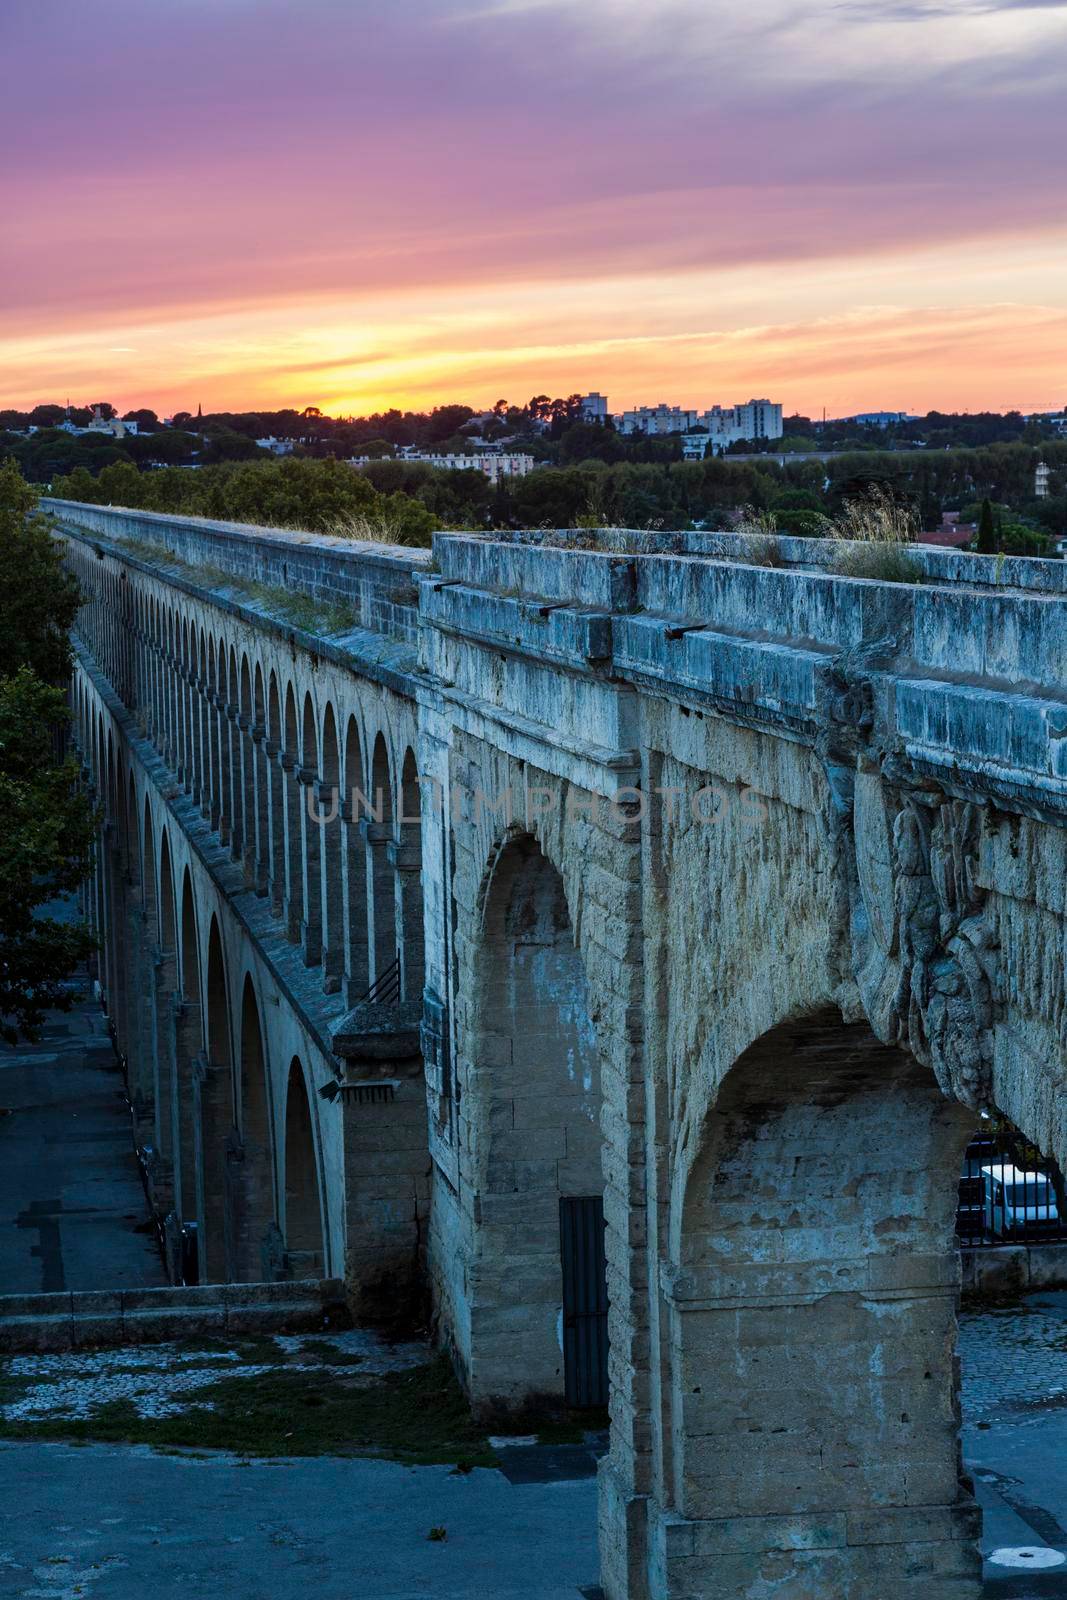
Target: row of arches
[
  {"x": 318, "y": 806},
  {"x": 229, "y": 1135},
  {"x": 776, "y": 1186}
]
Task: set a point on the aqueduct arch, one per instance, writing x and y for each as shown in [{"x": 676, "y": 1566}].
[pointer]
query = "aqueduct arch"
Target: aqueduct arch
[
  {"x": 251, "y": 1210},
  {"x": 538, "y": 1319},
  {"x": 811, "y": 1321},
  {"x": 188, "y": 1046},
  {"x": 214, "y": 1102},
  {"x": 903, "y": 746},
  {"x": 303, "y": 1204}
]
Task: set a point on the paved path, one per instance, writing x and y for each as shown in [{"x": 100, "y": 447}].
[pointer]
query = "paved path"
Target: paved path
[
  {"x": 338, "y": 1530},
  {"x": 70, "y": 1192}
]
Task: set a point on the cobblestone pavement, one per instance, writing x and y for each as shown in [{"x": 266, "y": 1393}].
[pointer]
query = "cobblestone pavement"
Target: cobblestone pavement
[{"x": 1014, "y": 1393}]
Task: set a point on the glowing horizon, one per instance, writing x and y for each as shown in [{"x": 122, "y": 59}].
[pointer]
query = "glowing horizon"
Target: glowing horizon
[{"x": 253, "y": 204}]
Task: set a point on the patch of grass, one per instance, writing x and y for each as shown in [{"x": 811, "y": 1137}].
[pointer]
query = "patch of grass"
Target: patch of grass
[
  {"x": 887, "y": 563},
  {"x": 419, "y": 1417},
  {"x": 544, "y": 1415},
  {"x": 331, "y": 1354}
]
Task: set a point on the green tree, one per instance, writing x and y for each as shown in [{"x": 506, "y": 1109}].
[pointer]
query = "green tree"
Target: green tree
[
  {"x": 46, "y": 822},
  {"x": 986, "y": 537},
  {"x": 46, "y": 836},
  {"x": 38, "y": 598}
]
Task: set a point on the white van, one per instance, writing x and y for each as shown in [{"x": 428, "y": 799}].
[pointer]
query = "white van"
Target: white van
[{"x": 1015, "y": 1201}]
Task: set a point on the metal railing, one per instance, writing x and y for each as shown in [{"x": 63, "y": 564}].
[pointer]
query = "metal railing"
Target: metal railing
[
  {"x": 1008, "y": 1194},
  {"x": 385, "y": 990}
]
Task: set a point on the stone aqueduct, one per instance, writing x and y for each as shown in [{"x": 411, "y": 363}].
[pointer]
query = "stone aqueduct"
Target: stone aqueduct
[{"x": 722, "y": 895}]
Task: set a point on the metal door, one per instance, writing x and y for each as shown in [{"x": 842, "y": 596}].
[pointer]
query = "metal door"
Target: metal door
[{"x": 585, "y": 1300}]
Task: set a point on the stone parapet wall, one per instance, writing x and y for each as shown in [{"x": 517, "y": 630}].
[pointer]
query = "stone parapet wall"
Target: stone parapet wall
[
  {"x": 1029, "y": 573},
  {"x": 375, "y": 581}
]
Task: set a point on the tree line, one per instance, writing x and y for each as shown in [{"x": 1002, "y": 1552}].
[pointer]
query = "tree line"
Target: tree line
[{"x": 404, "y": 501}]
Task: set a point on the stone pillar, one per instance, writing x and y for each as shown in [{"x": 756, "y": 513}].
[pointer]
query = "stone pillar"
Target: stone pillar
[
  {"x": 293, "y": 905},
  {"x": 247, "y": 852},
  {"x": 235, "y": 792},
  {"x": 331, "y": 880},
  {"x": 354, "y": 899},
  {"x": 163, "y": 968},
  {"x": 249, "y": 1219},
  {"x": 381, "y": 897},
  {"x": 140, "y": 1049},
  {"x": 873, "y": 1505},
  {"x": 275, "y": 827},
  {"x": 311, "y": 864},
  {"x": 382, "y": 1104},
  {"x": 225, "y": 822},
  {"x": 261, "y": 770},
  {"x": 212, "y": 1118},
  {"x": 187, "y": 1046},
  {"x": 405, "y": 858}
]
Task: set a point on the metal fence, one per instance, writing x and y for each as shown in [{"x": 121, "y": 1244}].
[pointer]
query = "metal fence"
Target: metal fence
[{"x": 1008, "y": 1194}]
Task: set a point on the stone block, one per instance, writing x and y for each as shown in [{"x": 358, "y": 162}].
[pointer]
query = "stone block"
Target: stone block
[
  {"x": 40, "y": 1333},
  {"x": 915, "y": 1524},
  {"x": 1000, "y": 1273},
  {"x": 1048, "y": 1263}
]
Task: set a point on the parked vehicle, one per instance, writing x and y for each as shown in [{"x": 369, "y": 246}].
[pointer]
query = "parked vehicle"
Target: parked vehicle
[{"x": 1015, "y": 1202}]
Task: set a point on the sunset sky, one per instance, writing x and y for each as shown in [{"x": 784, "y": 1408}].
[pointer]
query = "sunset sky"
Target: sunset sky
[{"x": 357, "y": 203}]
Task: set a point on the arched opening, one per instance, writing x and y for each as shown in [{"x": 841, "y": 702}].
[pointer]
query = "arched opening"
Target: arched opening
[
  {"x": 311, "y": 838},
  {"x": 248, "y": 793},
  {"x": 333, "y": 951},
  {"x": 250, "y": 1172},
  {"x": 303, "y": 1209},
  {"x": 534, "y": 1080},
  {"x": 378, "y": 832},
  {"x": 167, "y": 992},
  {"x": 222, "y": 732},
  {"x": 275, "y": 801},
  {"x": 260, "y": 785},
  {"x": 409, "y": 916},
  {"x": 215, "y": 1115},
  {"x": 811, "y": 1323},
  {"x": 232, "y": 734},
  {"x": 187, "y": 1046},
  {"x": 354, "y": 870},
  {"x": 294, "y": 868}
]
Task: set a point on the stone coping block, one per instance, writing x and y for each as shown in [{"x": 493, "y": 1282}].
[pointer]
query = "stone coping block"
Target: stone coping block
[
  {"x": 74, "y": 1320},
  {"x": 998, "y": 1272}
]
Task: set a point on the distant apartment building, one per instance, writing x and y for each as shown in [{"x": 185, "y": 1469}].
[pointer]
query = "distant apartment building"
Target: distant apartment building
[
  {"x": 1042, "y": 474},
  {"x": 277, "y": 447},
  {"x": 718, "y": 427},
  {"x": 1049, "y": 419},
  {"x": 495, "y": 464},
  {"x": 595, "y": 407},
  {"x": 879, "y": 419}
]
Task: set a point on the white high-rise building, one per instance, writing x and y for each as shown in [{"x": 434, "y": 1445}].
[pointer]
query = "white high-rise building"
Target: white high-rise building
[{"x": 595, "y": 407}]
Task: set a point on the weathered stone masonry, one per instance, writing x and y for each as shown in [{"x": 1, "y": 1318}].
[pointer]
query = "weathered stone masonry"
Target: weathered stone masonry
[{"x": 734, "y": 894}]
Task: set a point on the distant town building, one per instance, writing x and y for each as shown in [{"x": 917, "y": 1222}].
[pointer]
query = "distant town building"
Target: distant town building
[
  {"x": 277, "y": 447},
  {"x": 112, "y": 425},
  {"x": 719, "y": 426},
  {"x": 494, "y": 463},
  {"x": 594, "y": 407},
  {"x": 1042, "y": 473},
  {"x": 952, "y": 534},
  {"x": 879, "y": 419}
]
